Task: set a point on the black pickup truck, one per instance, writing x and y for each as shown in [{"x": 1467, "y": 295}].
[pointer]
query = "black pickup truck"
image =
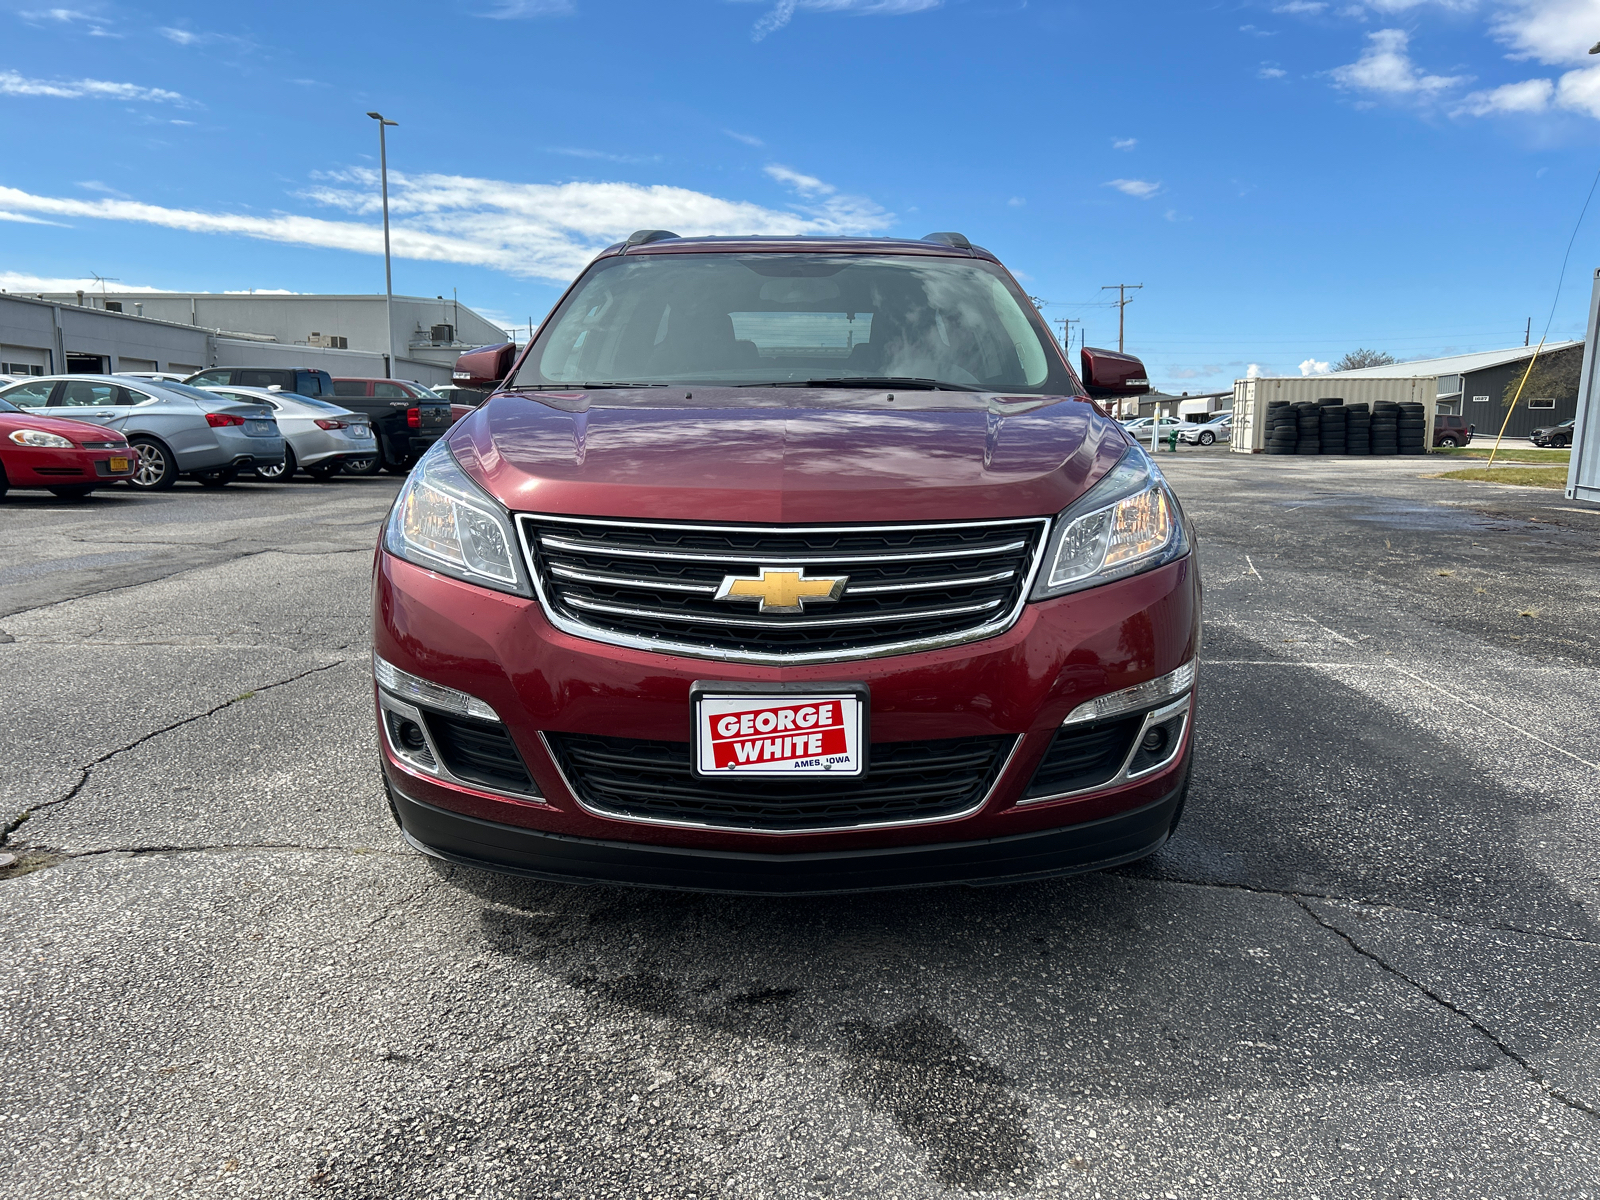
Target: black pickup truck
[{"x": 407, "y": 417}]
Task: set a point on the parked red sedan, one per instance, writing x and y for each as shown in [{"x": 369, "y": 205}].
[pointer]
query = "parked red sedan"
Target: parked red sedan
[
  {"x": 70, "y": 458},
  {"x": 786, "y": 565}
]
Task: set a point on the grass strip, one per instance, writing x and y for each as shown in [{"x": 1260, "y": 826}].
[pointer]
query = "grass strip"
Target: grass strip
[
  {"x": 1543, "y": 477},
  {"x": 1525, "y": 456}
]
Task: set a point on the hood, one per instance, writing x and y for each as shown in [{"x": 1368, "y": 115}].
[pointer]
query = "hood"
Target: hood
[
  {"x": 783, "y": 456},
  {"x": 77, "y": 430}
]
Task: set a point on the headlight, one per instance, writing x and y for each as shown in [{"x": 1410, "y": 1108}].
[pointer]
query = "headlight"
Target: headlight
[
  {"x": 445, "y": 522},
  {"x": 1126, "y": 523},
  {"x": 38, "y": 437}
]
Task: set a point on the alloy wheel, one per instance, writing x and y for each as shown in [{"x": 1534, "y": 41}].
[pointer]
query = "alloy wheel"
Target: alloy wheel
[{"x": 152, "y": 466}]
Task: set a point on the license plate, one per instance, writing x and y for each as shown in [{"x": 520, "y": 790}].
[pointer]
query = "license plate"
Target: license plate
[
  {"x": 258, "y": 427},
  {"x": 780, "y": 732},
  {"x": 120, "y": 464},
  {"x": 360, "y": 431}
]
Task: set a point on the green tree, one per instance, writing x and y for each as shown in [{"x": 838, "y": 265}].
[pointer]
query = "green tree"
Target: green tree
[
  {"x": 1554, "y": 377},
  {"x": 1357, "y": 359}
]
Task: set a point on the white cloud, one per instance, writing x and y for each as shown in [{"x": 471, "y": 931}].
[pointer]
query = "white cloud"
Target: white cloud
[
  {"x": 1268, "y": 71},
  {"x": 806, "y": 185},
  {"x": 1124, "y": 143},
  {"x": 16, "y": 282},
  {"x": 94, "y": 185},
  {"x": 1016, "y": 202},
  {"x": 183, "y": 37},
  {"x": 1396, "y": 6},
  {"x": 1312, "y": 367},
  {"x": 783, "y": 11},
  {"x": 1255, "y": 31},
  {"x": 1580, "y": 91},
  {"x": 747, "y": 139},
  {"x": 20, "y": 219},
  {"x": 516, "y": 10},
  {"x": 606, "y": 156},
  {"x": 1531, "y": 95},
  {"x": 1301, "y": 6},
  {"x": 1385, "y": 67},
  {"x": 13, "y": 84},
  {"x": 544, "y": 231},
  {"x": 1139, "y": 189},
  {"x": 1552, "y": 31},
  {"x": 1253, "y": 371}
]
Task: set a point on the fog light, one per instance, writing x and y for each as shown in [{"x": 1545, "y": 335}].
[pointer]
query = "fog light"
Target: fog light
[
  {"x": 410, "y": 735},
  {"x": 1154, "y": 741}
]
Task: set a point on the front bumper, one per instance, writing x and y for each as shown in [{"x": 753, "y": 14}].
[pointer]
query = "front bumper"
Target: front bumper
[
  {"x": 1017, "y": 858},
  {"x": 1020, "y": 684},
  {"x": 50, "y": 466}
]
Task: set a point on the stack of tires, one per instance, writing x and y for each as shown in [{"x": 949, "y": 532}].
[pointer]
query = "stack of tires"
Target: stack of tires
[
  {"x": 1283, "y": 428},
  {"x": 1308, "y": 423},
  {"x": 1385, "y": 427},
  {"x": 1357, "y": 429},
  {"x": 1331, "y": 429},
  {"x": 1413, "y": 428}
]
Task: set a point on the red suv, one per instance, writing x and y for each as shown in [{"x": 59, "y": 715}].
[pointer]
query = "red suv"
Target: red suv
[{"x": 786, "y": 565}]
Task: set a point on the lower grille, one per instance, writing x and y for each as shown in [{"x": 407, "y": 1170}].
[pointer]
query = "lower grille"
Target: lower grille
[
  {"x": 905, "y": 781},
  {"x": 479, "y": 752},
  {"x": 1084, "y": 756}
]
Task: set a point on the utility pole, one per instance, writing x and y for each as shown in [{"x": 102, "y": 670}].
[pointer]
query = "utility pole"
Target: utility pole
[
  {"x": 1527, "y": 332},
  {"x": 1066, "y": 324},
  {"x": 1123, "y": 300},
  {"x": 388, "y": 276}
]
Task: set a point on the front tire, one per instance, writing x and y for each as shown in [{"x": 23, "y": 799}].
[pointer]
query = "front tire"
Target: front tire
[
  {"x": 1447, "y": 442},
  {"x": 156, "y": 470},
  {"x": 323, "y": 472},
  {"x": 1207, "y": 438},
  {"x": 216, "y": 479}
]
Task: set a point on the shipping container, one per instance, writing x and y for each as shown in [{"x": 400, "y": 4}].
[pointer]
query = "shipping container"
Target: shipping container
[
  {"x": 1583, "y": 473},
  {"x": 1251, "y": 397}
]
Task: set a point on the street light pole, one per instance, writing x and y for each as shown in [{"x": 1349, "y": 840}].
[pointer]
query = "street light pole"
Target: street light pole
[{"x": 388, "y": 275}]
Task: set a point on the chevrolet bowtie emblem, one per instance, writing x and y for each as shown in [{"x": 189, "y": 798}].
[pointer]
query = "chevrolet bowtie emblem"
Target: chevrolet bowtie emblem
[{"x": 779, "y": 590}]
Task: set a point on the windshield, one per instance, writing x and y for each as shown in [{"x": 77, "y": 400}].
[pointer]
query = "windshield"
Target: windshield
[
  {"x": 426, "y": 393},
  {"x": 775, "y": 319},
  {"x": 7, "y": 406}
]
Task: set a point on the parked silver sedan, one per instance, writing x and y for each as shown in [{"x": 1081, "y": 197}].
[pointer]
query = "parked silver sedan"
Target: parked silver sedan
[
  {"x": 174, "y": 429},
  {"x": 321, "y": 436}
]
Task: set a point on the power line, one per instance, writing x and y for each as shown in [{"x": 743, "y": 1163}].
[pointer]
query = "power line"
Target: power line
[{"x": 1123, "y": 300}]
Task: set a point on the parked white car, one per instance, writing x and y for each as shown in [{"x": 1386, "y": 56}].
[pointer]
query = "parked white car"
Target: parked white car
[
  {"x": 1218, "y": 429},
  {"x": 319, "y": 437},
  {"x": 1141, "y": 425}
]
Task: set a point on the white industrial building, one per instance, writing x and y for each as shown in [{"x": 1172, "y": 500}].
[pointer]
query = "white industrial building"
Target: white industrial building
[{"x": 53, "y": 333}]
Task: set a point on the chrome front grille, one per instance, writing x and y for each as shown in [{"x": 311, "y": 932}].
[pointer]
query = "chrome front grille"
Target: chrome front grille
[{"x": 665, "y": 587}]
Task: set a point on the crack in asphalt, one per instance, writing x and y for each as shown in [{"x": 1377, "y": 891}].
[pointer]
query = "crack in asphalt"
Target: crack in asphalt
[
  {"x": 182, "y": 569},
  {"x": 87, "y": 770},
  {"x": 1430, "y": 914},
  {"x": 1494, "y": 1039}
]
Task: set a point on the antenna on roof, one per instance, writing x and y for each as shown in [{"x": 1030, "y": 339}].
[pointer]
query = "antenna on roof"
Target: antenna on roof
[{"x": 643, "y": 236}]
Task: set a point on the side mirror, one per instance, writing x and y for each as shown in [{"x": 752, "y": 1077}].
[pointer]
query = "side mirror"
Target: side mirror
[
  {"x": 486, "y": 366},
  {"x": 1110, "y": 373}
]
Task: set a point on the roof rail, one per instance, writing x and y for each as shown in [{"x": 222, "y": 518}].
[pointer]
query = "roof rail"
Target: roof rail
[
  {"x": 958, "y": 240},
  {"x": 642, "y": 236}
]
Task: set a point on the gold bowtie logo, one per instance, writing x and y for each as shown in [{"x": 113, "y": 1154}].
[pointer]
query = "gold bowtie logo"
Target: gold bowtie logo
[{"x": 779, "y": 590}]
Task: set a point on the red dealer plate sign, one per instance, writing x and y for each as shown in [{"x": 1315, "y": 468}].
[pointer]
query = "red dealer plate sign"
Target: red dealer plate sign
[{"x": 778, "y": 735}]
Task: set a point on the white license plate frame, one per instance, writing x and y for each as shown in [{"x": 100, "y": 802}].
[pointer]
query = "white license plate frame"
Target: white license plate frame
[{"x": 825, "y": 733}]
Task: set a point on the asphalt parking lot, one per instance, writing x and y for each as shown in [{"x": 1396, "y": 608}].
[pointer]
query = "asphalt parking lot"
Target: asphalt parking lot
[{"x": 1368, "y": 964}]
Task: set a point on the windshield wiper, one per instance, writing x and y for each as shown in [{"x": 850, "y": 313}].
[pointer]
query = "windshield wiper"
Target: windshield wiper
[
  {"x": 579, "y": 387},
  {"x": 869, "y": 381}
]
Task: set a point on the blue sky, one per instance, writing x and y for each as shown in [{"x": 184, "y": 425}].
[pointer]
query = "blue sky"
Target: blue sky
[{"x": 1288, "y": 180}]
